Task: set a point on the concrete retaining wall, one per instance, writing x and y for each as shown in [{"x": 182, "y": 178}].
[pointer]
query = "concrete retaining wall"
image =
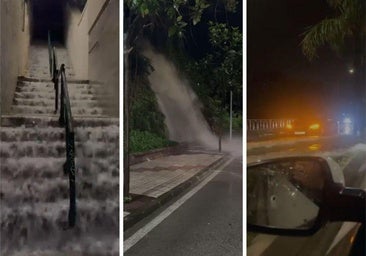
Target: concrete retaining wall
[{"x": 156, "y": 153}]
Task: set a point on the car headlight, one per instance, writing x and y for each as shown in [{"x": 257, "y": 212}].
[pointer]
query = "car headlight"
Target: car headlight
[
  {"x": 314, "y": 127},
  {"x": 347, "y": 120}
]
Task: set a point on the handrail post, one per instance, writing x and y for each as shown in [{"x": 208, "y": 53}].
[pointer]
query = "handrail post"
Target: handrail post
[
  {"x": 62, "y": 100},
  {"x": 50, "y": 53},
  {"x": 55, "y": 77},
  {"x": 56, "y": 88},
  {"x": 54, "y": 62},
  {"x": 70, "y": 148}
]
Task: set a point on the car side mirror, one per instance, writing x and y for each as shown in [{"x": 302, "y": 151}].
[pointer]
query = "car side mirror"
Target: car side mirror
[{"x": 296, "y": 196}]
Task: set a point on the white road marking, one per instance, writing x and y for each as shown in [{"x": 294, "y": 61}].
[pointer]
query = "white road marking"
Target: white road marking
[{"x": 135, "y": 238}]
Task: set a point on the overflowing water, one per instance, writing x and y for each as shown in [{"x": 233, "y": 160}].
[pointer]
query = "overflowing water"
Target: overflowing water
[
  {"x": 181, "y": 106},
  {"x": 178, "y": 103},
  {"x": 34, "y": 191}
]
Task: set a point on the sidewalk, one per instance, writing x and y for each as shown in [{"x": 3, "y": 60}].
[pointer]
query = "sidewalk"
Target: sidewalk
[{"x": 154, "y": 182}]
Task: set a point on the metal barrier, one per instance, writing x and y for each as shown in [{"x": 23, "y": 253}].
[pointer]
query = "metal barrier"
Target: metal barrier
[
  {"x": 267, "y": 124},
  {"x": 65, "y": 120}
]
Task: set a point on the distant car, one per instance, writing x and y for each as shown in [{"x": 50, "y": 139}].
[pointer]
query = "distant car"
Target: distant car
[{"x": 304, "y": 127}]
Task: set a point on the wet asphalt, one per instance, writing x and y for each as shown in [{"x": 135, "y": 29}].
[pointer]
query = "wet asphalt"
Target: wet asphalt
[{"x": 209, "y": 223}]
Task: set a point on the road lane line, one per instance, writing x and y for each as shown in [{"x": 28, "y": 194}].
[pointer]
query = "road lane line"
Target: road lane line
[{"x": 136, "y": 237}]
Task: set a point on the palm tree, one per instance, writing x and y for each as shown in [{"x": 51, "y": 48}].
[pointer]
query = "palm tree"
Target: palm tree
[{"x": 348, "y": 23}]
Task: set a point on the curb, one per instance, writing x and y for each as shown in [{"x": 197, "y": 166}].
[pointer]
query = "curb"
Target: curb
[
  {"x": 140, "y": 157},
  {"x": 133, "y": 218}
]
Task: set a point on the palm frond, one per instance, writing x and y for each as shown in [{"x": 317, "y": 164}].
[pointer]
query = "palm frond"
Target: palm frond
[{"x": 328, "y": 31}]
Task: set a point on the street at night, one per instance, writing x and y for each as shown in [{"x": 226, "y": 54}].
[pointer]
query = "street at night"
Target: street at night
[{"x": 306, "y": 95}]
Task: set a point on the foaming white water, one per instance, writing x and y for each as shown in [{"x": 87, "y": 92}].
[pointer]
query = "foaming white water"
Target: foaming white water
[
  {"x": 178, "y": 103},
  {"x": 233, "y": 146},
  {"x": 34, "y": 192}
]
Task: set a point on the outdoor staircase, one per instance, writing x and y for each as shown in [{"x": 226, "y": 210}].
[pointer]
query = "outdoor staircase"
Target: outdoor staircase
[{"x": 33, "y": 188}]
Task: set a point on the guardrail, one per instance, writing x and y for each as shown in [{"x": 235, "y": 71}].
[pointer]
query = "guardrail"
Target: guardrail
[
  {"x": 267, "y": 124},
  {"x": 65, "y": 120}
]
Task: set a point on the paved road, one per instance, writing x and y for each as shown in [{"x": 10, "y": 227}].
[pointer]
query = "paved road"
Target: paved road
[
  {"x": 208, "y": 223},
  {"x": 318, "y": 244},
  {"x": 300, "y": 145}
]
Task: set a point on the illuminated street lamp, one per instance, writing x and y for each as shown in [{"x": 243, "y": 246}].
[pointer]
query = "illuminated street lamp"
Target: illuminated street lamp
[{"x": 351, "y": 70}]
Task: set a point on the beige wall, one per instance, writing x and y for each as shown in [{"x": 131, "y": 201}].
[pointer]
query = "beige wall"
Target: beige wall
[
  {"x": 93, "y": 44},
  {"x": 104, "y": 50},
  {"x": 14, "y": 45},
  {"x": 77, "y": 41}
]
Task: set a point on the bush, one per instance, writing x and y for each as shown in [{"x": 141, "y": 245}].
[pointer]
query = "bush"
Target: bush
[
  {"x": 141, "y": 141},
  {"x": 237, "y": 122},
  {"x": 145, "y": 114}
]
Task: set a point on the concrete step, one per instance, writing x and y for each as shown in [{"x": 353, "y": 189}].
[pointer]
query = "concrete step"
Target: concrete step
[
  {"x": 51, "y": 102},
  {"x": 49, "y": 95},
  {"x": 76, "y": 110},
  {"x": 90, "y": 169},
  {"x": 52, "y": 167},
  {"x": 48, "y": 90},
  {"x": 34, "y": 190},
  {"x": 49, "y": 86},
  {"x": 97, "y": 223},
  {"x": 52, "y": 121},
  {"x": 54, "y": 149},
  {"x": 44, "y": 72},
  {"x": 99, "y": 134},
  {"x": 48, "y": 80}
]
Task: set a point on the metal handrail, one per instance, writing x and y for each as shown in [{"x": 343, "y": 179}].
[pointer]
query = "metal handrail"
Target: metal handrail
[{"x": 65, "y": 120}]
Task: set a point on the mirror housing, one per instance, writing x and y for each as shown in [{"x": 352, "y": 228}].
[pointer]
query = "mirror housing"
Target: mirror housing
[{"x": 296, "y": 196}]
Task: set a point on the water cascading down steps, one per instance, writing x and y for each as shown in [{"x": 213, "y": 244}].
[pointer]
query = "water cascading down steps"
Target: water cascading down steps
[{"x": 33, "y": 188}]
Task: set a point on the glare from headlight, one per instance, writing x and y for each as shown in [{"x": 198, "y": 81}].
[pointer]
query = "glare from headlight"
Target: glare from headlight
[
  {"x": 347, "y": 120},
  {"x": 314, "y": 126}
]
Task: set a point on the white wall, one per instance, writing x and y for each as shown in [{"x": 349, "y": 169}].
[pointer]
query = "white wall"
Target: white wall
[
  {"x": 77, "y": 40},
  {"x": 14, "y": 37}
]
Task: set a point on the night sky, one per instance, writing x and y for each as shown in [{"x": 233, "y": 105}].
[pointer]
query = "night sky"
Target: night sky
[{"x": 281, "y": 82}]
